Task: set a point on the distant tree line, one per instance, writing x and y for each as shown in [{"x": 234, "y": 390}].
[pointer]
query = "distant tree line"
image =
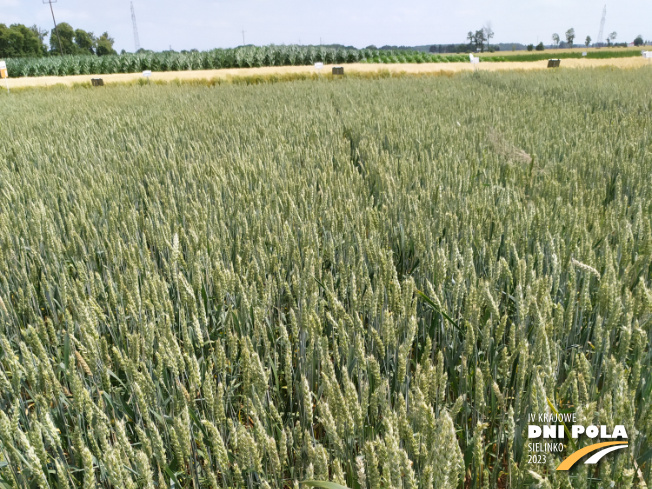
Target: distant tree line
[
  {"x": 78, "y": 41},
  {"x": 478, "y": 40},
  {"x": 20, "y": 41},
  {"x": 461, "y": 48},
  {"x": 611, "y": 37}
]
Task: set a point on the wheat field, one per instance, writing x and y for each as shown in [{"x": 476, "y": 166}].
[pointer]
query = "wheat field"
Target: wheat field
[{"x": 369, "y": 282}]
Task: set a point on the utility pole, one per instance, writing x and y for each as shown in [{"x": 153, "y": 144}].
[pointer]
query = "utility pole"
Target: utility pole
[
  {"x": 243, "y": 38},
  {"x": 602, "y": 21},
  {"x": 133, "y": 21},
  {"x": 56, "y": 31}
]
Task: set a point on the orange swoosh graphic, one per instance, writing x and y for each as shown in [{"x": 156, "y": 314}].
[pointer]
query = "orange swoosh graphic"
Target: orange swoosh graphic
[{"x": 574, "y": 457}]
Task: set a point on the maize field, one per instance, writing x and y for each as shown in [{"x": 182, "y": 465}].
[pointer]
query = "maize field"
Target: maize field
[
  {"x": 243, "y": 57},
  {"x": 257, "y": 56},
  {"x": 368, "y": 282}
]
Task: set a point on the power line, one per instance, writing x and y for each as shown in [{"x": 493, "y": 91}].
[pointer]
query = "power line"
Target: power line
[{"x": 56, "y": 31}]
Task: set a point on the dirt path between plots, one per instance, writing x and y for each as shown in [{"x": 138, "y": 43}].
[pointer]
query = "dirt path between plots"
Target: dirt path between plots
[{"x": 348, "y": 68}]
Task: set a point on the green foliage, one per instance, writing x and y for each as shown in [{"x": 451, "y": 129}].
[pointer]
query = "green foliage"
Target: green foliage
[
  {"x": 246, "y": 57},
  {"x": 84, "y": 42},
  {"x": 369, "y": 282},
  {"x": 63, "y": 38},
  {"x": 479, "y": 38},
  {"x": 78, "y": 45},
  {"x": 242, "y": 57},
  {"x": 104, "y": 45},
  {"x": 570, "y": 37},
  {"x": 17, "y": 41},
  {"x": 592, "y": 54}
]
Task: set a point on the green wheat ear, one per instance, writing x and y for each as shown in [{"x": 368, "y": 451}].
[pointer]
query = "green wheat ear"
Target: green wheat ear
[
  {"x": 323, "y": 484},
  {"x": 201, "y": 288}
]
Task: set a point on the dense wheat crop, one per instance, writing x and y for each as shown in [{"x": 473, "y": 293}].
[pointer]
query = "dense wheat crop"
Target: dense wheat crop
[{"x": 372, "y": 282}]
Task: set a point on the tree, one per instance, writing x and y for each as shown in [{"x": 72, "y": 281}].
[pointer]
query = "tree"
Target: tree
[
  {"x": 570, "y": 37},
  {"x": 540, "y": 47},
  {"x": 478, "y": 38},
  {"x": 84, "y": 42},
  {"x": 611, "y": 37},
  {"x": 18, "y": 41},
  {"x": 530, "y": 47},
  {"x": 587, "y": 41},
  {"x": 556, "y": 39},
  {"x": 78, "y": 41},
  {"x": 489, "y": 32},
  {"x": 638, "y": 41},
  {"x": 41, "y": 34},
  {"x": 471, "y": 38},
  {"x": 67, "y": 35},
  {"x": 104, "y": 45}
]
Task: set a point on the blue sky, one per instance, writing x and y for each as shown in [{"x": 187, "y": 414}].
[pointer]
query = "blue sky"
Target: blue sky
[{"x": 205, "y": 24}]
